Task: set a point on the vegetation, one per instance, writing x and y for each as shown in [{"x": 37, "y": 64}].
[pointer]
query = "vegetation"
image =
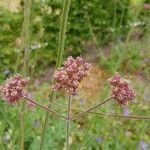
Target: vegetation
[{"x": 114, "y": 32}]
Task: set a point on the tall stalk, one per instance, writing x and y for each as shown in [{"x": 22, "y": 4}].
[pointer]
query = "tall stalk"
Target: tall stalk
[
  {"x": 114, "y": 21},
  {"x": 62, "y": 34},
  {"x": 68, "y": 121},
  {"x": 61, "y": 44},
  {"x": 26, "y": 38}
]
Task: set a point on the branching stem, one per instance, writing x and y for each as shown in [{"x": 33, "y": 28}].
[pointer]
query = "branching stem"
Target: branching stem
[
  {"x": 45, "y": 108},
  {"x": 107, "y": 114},
  {"x": 90, "y": 109}
]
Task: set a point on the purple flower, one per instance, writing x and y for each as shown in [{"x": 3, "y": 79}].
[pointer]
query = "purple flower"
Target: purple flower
[
  {"x": 82, "y": 102},
  {"x": 30, "y": 95},
  {"x": 98, "y": 139},
  {"x": 146, "y": 60},
  {"x": 126, "y": 112},
  {"x": 37, "y": 82},
  {"x": 70, "y": 75},
  {"x": 143, "y": 145},
  {"x": 30, "y": 104}
]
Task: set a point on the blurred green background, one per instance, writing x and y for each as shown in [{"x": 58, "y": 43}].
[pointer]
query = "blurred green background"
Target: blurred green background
[{"x": 113, "y": 35}]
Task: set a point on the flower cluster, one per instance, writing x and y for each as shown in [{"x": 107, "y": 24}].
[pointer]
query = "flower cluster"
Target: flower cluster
[
  {"x": 122, "y": 91},
  {"x": 70, "y": 75},
  {"x": 13, "y": 89}
]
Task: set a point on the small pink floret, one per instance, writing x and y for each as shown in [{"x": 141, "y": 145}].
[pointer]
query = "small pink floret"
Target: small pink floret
[
  {"x": 13, "y": 89},
  {"x": 70, "y": 75},
  {"x": 121, "y": 91}
]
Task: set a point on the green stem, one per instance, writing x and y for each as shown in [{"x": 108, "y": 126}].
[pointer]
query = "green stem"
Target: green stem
[
  {"x": 45, "y": 108},
  {"x": 114, "y": 21},
  {"x": 21, "y": 130},
  {"x": 107, "y": 114},
  {"x": 45, "y": 123},
  {"x": 90, "y": 109},
  {"x": 27, "y": 34},
  {"x": 26, "y": 38},
  {"x": 123, "y": 15},
  {"x": 62, "y": 35},
  {"x": 68, "y": 122}
]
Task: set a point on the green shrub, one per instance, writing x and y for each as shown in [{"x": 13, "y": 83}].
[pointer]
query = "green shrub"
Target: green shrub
[{"x": 102, "y": 22}]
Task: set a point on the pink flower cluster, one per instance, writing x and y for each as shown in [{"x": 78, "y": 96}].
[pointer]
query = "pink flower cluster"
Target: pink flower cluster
[
  {"x": 13, "y": 89},
  {"x": 122, "y": 91},
  {"x": 70, "y": 75}
]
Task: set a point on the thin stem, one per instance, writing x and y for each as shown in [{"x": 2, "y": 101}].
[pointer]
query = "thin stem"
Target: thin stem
[
  {"x": 68, "y": 122},
  {"x": 123, "y": 16},
  {"x": 62, "y": 34},
  {"x": 107, "y": 114},
  {"x": 21, "y": 128},
  {"x": 114, "y": 20},
  {"x": 26, "y": 36},
  {"x": 90, "y": 109},
  {"x": 121, "y": 116},
  {"x": 45, "y": 108},
  {"x": 46, "y": 122}
]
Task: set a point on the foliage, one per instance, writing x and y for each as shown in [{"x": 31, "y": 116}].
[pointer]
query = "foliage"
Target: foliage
[
  {"x": 10, "y": 30},
  {"x": 131, "y": 57},
  {"x": 89, "y": 132},
  {"x": 101, "y": 22}
]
